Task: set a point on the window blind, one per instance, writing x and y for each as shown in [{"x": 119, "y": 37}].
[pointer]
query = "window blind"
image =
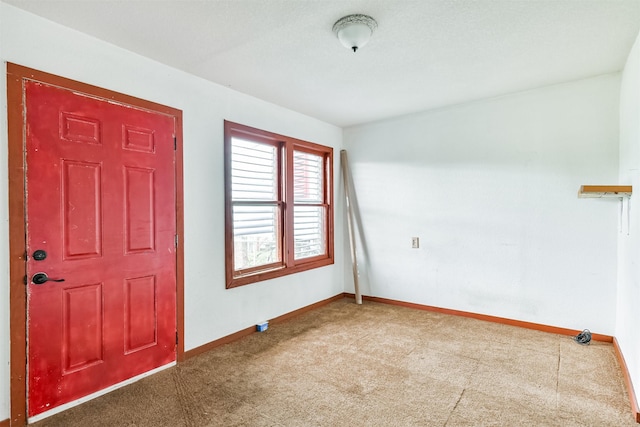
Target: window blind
[
  {"x": 254, "y": 192},
  {"x": 309, "y": 212}
]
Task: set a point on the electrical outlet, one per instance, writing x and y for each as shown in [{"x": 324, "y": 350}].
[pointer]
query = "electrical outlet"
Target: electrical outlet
[{"x": 415, "y": 242}]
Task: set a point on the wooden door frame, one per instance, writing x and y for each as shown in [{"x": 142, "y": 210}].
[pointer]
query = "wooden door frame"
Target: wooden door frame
[{"x": 16, "y": 75}]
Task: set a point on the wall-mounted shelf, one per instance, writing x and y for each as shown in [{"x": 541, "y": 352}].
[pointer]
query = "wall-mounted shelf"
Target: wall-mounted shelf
[{"x": 600, "y": 191}]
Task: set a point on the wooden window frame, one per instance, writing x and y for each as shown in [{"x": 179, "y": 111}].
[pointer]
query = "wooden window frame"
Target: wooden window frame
[{"x": 289, "y": 265}]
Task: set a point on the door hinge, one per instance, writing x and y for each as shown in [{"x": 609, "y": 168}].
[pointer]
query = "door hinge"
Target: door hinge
[
  {"x": 176, "y": 241},
  {"x": 175, "y": 143},
  {"x": 176, "y": 337}
]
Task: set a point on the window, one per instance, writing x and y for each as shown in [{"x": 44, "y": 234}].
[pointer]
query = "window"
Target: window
[{"x": 278, "y": 205}]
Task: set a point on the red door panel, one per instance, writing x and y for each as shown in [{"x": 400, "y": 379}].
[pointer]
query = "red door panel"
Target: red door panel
[
  {"x": 81, "y": 209},
  {"x": 101, "y": 204},
  {"x": 82, "y": 327}
]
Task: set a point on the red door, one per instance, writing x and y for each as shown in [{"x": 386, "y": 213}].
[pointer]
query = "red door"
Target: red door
[{"x": 100, "y": 216}]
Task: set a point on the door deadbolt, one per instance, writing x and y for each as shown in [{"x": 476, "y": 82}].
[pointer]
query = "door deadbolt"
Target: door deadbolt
[{"x": 39, "y": 255}]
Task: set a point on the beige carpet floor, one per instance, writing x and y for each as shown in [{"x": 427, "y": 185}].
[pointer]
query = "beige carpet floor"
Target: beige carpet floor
[{"x": 376, "y": 365}]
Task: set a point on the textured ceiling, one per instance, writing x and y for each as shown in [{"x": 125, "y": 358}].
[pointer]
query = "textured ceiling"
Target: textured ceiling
[{"x": 425, "y": 53}]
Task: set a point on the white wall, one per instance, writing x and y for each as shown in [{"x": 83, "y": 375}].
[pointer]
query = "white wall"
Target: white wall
[
  {"x": 211, "y": 311},
  {"x": 628, "y": 315},
  {"x": 490, "y": 188}
]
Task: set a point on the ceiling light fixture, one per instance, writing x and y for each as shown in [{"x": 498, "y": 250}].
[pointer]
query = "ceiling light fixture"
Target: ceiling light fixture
[{"x": 354, "y": 31}]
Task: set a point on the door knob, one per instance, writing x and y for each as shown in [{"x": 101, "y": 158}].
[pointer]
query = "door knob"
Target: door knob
[{"x": 40, "y": 278}]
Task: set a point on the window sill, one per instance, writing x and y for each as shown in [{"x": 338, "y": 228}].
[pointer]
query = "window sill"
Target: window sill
[{"x": 262, "y": 275}]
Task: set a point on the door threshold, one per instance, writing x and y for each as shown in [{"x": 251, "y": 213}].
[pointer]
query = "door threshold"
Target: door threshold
[{"x": 99, "y": 393}]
